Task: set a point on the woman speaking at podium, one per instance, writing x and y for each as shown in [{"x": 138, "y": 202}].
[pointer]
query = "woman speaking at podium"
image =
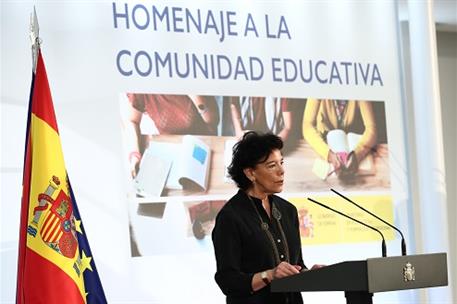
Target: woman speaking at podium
[{"x": 256, "y": 236}]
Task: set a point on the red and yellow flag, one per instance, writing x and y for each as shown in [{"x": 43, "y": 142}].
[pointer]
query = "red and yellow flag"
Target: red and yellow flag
[{"x": 55, "y": 263}]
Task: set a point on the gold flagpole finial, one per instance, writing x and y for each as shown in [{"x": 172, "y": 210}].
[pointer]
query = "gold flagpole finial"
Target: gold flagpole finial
[{"x": 34, "y": 38}]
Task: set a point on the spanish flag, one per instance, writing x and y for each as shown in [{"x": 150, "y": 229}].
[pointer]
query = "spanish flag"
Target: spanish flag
[{"x": 55, "y": 264}]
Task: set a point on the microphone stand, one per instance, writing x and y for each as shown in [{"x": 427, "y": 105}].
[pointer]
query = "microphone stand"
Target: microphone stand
[
  {"x": 403, "y": 244},
  {"x": 384, "y": 250}
]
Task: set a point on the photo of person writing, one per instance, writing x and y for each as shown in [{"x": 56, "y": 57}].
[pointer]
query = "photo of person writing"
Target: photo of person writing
[
  {"x": 168, "y": 114},
  {"x": 321, "y": 116},
  {"x": 256, "y": 236}
]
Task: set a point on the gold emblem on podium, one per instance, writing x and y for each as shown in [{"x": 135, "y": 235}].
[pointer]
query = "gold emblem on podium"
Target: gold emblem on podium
[{"x": 409, "y": 273}]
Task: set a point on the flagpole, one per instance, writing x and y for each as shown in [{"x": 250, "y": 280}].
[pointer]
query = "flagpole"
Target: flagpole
[{"x": 34, "y": 38}]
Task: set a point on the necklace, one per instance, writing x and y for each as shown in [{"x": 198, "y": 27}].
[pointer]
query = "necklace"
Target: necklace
[{"x": 264, "y": 226}]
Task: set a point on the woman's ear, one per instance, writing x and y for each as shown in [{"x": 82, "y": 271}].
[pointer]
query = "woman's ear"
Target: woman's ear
[{"x": 249, "y": 172}]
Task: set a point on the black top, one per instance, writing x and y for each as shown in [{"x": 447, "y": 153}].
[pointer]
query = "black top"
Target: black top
[{"x": 242, "y": 248}]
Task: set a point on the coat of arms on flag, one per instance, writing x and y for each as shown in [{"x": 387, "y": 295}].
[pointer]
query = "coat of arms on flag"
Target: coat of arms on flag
[{"x": 57, "y": 227}]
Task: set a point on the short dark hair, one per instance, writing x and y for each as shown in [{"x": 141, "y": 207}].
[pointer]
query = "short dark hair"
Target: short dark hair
[{"x": 254, "y": 148}]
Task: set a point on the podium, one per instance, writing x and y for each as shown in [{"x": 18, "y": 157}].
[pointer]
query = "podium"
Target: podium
[{"x": 360, "y": 279}]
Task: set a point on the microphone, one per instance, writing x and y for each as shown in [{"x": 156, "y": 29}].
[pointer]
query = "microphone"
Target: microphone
[
  {"x": 384, "y": 250},
  {"x": 403, "y": 244}
]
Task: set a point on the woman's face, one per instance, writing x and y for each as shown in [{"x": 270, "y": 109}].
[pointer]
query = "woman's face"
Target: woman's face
[{"x": 267, "y": 177}]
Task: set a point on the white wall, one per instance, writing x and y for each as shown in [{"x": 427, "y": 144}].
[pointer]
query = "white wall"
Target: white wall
[{"x": 447, "y": 61}]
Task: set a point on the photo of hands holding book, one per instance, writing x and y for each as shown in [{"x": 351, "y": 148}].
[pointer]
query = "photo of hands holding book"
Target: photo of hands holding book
[
  {"x": 156, "y": 166},
  {"x": 173, "y": 166},
  {"x": 343, "y": 133},
  {"x": 144, "y": 115}
]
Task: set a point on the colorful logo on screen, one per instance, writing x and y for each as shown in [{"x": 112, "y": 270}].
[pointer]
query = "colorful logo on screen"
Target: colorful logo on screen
[
  {"x": 199, "y": 154},
  {"x": 55, "y": 220}
]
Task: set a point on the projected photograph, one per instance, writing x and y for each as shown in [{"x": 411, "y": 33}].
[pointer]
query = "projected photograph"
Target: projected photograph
[
  {"x": 178, "y": 147},
  {"x": 181, "y": 145},
  {"x": 346, "y": 145},
  {"x": 172, "y": 228},
  {"x": 202, "y": 217}
]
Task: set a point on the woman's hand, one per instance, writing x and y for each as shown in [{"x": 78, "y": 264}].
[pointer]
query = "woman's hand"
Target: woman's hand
[
  {"x": 134, "y": 161},
  {"x": 284, "y": 269},
  {"x": 348, "y": 172},
  {"x": 352, "y": 164},
  {"x": 334, "y": 160},
  {"x": 317, "y": 266}
]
